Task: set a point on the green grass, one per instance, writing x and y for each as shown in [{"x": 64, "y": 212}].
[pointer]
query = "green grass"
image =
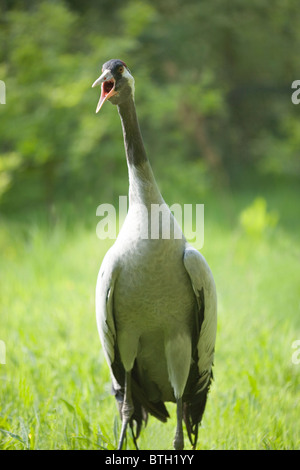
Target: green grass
[{"x": 55, "y": 386}]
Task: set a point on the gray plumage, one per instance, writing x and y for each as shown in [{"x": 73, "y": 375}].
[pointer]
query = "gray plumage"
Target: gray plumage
[{"x": 156, "y": 301}]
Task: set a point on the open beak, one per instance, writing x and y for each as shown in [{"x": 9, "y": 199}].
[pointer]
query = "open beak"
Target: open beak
[{"x": 107, "y": 82}]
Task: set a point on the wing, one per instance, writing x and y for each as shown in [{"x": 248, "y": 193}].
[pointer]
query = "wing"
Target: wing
[
  {"x": 205, "y": 290},
  {"x": 104, "y": 309},
  {"x": 205, "y": 331}
]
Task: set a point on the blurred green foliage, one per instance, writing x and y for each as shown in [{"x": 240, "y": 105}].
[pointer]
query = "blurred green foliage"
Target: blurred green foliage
[
  {"x": 213, "y": 92},
  {"x": 255, "y": 219}
]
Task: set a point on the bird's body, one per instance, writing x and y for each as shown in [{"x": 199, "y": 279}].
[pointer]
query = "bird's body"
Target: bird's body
[
  {"x": 153, "y": 285},
  {"x": 155, "y": 300}
]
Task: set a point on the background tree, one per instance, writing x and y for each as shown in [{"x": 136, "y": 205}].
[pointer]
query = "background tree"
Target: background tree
[{"x": 214, "y": 94}]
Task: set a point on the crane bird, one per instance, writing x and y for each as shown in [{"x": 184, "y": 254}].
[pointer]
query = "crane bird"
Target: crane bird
[{"x": 156, "y": 304}]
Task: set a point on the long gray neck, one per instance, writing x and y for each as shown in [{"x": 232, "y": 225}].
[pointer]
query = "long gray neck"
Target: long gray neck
[
  {"x": 134, "y": 146},
  {"x": 142, "y": 184}
]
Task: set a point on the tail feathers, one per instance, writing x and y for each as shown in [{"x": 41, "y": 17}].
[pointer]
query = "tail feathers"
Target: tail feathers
[
  {"x": 193, "y": 409},
  {"x": 158, "y": 410}
]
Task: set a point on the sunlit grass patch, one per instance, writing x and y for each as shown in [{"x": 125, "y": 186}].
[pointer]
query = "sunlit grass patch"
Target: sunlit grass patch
[{"x": 55, "y": 385}]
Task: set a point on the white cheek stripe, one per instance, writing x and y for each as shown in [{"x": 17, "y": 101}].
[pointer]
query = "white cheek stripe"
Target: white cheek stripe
[{"x": 130, "y": 79}]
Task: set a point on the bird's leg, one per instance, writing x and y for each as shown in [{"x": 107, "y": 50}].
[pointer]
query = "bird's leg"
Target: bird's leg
[
  {"x": 127, "y": 409},
  {"x": 178, "y": 440}
]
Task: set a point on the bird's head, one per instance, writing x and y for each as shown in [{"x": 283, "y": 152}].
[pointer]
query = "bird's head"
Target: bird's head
[{"x": 117, "y": 83}]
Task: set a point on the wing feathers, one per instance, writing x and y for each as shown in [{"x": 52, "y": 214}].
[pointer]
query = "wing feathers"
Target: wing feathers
[
  {"x": 204, "y": 287},
  {"x": 206, "y": 324},
  {"x": 104, "y": 307}
]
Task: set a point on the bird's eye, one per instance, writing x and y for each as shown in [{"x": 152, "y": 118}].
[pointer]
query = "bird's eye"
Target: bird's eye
[{"x": 121, "y": 69}]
